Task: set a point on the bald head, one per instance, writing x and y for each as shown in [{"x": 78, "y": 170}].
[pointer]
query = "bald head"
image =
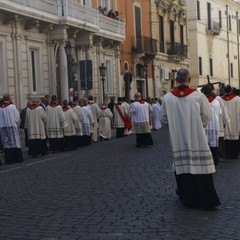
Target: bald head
[
  {"x": 137, "y": 95},
  {"x": 183, "y": 76}
]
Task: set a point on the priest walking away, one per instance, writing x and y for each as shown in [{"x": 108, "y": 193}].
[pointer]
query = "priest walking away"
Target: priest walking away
[{"x": 187, "y": 112}]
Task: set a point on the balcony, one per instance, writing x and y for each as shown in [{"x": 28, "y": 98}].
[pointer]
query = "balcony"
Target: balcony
[
  {"x": 177, "y": 50},
  {"x": 144, "y": 45},
  {"x": 69, "y": 13},
  {"x": 214, "y": 28}
]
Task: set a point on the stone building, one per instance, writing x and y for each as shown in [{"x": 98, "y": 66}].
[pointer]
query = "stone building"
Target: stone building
[
  {"x": 34, "y": 37},
  {"x": 213, "y": 34}
]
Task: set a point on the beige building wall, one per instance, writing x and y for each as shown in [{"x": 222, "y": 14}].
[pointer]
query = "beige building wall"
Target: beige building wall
[
  {"x": 219, "y": 43},
  {"x": 172, "y": 51}
]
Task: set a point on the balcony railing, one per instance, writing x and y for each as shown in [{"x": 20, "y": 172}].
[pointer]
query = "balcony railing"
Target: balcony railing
[
  {"x": 144, "y": 44},
  {"x": 177, "y": 49},
  {"x": 214, "y": 28},
  {"x": 69, "y": 13}
]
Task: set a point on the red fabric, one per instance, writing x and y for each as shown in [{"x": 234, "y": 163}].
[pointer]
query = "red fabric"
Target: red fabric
[
  {"x": 228, "y": 97},
  {"x": 54, "y": 104},
  {"x": 103, "y": 108},
  {"x": 65, "y": 108},
  {"x": 5, "y": 104},
  {"x": 182, "y": 93},
  {"x": 141, "y": 101},
  {"x": 72, "y": 105},
  {"x": 210, "y": 98},
  {"x": 126, "y": 119},
  {"x": 33, "y": 106}
]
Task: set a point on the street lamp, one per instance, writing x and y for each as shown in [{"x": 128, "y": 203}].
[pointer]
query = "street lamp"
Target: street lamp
[
  {"x": 68, "y": 50},
  {"x": 102, "y": 70},
  {"x": 145, "y": 70}
]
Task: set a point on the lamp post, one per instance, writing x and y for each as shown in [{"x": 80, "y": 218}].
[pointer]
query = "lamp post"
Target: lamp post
[
  {"x": 102, "y": 70},
  {"x": 127, "y": 79},
  {"x": 69, "y": 49},
  {"x": 145, "y": 70}
]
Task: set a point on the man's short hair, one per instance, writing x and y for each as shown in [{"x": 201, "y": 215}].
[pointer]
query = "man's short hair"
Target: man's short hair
[
  {"x": 6, "y": 97},
  {"x": 90, "y": 98},
  {"x": 54, "y": 98},
  {"x": 183, "y": 75},
  {"x": 227, "y": 89}
]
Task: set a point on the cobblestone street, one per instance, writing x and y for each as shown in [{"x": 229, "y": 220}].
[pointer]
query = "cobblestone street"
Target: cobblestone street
[{"x": 112, "y": 191}]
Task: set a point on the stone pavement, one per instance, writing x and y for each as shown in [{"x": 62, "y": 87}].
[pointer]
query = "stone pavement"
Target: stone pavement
[{"x": 112, "y": 191}]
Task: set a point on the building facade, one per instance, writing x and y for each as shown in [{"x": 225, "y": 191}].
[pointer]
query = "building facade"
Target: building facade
[
  {"x": 213, "y": 31},
  {"x": 35, "y": 37}
]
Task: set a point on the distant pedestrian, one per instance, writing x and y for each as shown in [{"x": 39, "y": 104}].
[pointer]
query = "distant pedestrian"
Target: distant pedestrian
[
  {"x": 9, "y": 120},
  {"x": 231, "y": 131},
  {"x": 69, "y": 130},
  {"x": 140, "y": 111},
  {"x": 87, "y": 123},
  {"x": 119, "y": 111},
  {"x": 212, "y": 129},
  {"x": 187, "y": 112},
  {"x": 93, "y": 106},
  {"x": 105, "y": 116},
  {"x": 56, "y": 122},
  {"x": 35, "y": 123}
]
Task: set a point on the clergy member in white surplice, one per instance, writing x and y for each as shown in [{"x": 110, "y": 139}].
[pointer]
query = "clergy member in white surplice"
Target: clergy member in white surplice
[
  {"x": 56, "y": 122},
  {"x": 69, "y": 130},
  {"x": 105, "y": 116},
  {"x": 9, "y": 133},
  {"x": 231, "y": 130},
  {"x": 212, "y": 129},
  {"x": 95, "y": 112},
  {"x": 126, "y": 105},
  {"x": 156, "y": 124},
  {"x": 187, "y": 112},
  {"x": 78, "y": 124},
  {"x": 35, "y": 123},
  {"x": 140, "y": 111},
  {"x": 87, "y": 123},
  {"x": 223, "y": 121}
]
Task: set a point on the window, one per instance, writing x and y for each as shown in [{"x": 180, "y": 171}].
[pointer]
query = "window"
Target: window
[
  {"x": 209, "y": 14},
  {"x": 230, "y": 23},
  {"x": 106, "y": 4},
  {"x": 198, "y": 11},
  {"x": 109, "y": 77},
  {"x": 181, "y": 34},
  {"x": 2, "y": 70},
  {"x": 220, "y": 19},
  {"x": 211, "y": 66},
  {"x": 34, "y": 53},
  {"x": 238, "y": 27},
  {"x": 138, "y": 28},
  {"x": 86, "y": 2},
  {"x": 200, "y": 65},
  {"x": 231, "y": 66},
  {"x": 161, "y": 34},
  {"x": 172, "y": 37}
]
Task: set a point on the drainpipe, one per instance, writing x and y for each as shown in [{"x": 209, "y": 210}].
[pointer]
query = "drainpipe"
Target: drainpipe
[
  {"x": 238, "y": 50},
  {"x": 228, "y": 51}
]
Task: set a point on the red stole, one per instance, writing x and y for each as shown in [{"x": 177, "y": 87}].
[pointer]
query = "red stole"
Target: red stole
[
  {"x": 141, "y": 101},
  {"x": 104, "y": 107},
  {"x": 182, "y": 92},
  {"x": 54, "y": 104},
  {"x": 65, "y": 108},
  {"x": 72, "y": 105},
  {"x": 228, "y": 97},
  {"x": 5, "y": 104},
  {"x": 33, "y": 106},
  {"x": 210, "y": 98}
]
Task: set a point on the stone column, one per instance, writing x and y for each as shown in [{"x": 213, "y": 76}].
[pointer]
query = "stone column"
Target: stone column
[{"x": 63, "y": 72}]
